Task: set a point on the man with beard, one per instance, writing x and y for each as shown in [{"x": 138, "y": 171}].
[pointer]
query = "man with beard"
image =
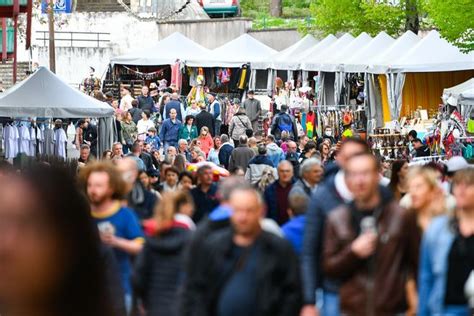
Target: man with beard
[{"x": 118, "y": 226}]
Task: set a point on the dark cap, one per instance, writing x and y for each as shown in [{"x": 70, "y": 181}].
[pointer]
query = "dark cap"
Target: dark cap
[
  {"x": 251, "y": 92},
  {"x": 109, "y": 94},
  {"x": 284, "y": 107}
]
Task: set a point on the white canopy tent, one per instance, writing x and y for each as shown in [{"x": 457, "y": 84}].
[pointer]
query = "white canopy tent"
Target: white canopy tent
[
  {"x": 333, "y": 63},
  {"x": 287, "y": 58},
  {"x": 312, "y": 63},
  {"x": 44, "y": 94},
  {"x": 165, "y": 52},
  {"x": 433, "y": 54},
  {"x": 380, "y": 63},
  {"x": 358, "y": 61},
  {"x": 242, "y": 50},
  {"x": 462, "y": 96}
]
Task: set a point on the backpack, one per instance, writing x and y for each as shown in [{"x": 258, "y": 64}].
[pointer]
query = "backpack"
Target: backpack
[{"x": 285, "y": 123}]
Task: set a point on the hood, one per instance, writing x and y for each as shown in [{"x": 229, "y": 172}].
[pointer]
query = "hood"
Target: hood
[
  {"x": 272, "y": 147},
  {"x": 170, "y": 241},
  {"x": 261, "y": 160}
]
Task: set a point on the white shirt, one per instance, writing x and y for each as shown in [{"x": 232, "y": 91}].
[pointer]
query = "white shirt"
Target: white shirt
[
  {"x": 126, "y": 103},
  {"x": 143, "y": 126},
  {"x": 341, "y": 187}
]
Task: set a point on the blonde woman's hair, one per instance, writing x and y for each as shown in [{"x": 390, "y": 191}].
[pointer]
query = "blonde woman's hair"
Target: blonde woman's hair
[
  {"x": 169, "y": 206},
  {"x": 428, "y": 174}
]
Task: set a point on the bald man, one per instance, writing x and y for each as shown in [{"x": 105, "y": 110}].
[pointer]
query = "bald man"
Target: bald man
[{"x": 276, "y": 195}]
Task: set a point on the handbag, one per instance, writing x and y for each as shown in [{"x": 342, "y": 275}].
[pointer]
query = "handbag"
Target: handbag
[{"x": 248, "y": 131}]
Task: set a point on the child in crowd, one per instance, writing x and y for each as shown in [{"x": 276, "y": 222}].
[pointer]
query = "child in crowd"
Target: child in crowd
[{"x": 153, "y": 139}]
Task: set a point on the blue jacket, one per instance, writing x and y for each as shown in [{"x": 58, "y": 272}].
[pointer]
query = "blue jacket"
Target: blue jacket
[
  {"x": 293, "y": 232},
  {"x": 435, "y": 247},
  {"x": 323, "y": 200},
  {"x": 174, "y": 104},
  {"x": 224, "y": 154},
  {"x": 169, "y": 131},
  {"x": 275, "y": 154}
]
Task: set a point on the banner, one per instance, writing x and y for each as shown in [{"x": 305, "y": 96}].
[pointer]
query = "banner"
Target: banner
[{"x": 60, "y": 6}]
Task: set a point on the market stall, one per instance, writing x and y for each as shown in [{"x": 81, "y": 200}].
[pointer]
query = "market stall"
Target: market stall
[
  {"x": 163, "y": 60},
  {"x": 40, "y": 98},
  {"x": 244, "y": 53}
]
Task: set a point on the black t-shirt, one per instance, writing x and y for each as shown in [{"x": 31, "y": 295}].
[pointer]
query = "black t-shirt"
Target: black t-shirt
[
  {"x": 460, "y": 265},
  {"x": 239, "y": 294}
]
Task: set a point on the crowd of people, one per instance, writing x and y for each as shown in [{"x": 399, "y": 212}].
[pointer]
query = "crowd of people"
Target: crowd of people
[{"x": 178, "y": 218}]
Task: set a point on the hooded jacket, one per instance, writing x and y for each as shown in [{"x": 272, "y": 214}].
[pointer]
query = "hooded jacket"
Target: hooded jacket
[
  {"x": 256, "y": 167},
  {"x": 158, "y": 271},
  {"x": 275, "y": 154}
]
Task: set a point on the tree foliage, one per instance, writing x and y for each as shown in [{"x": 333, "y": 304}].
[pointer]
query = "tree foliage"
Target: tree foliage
[
  {"x": 455, "y": 21},
  {"x": 358, "y": 16}
]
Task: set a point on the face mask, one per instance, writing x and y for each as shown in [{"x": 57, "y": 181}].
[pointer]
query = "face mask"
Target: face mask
[{"x": 328, "y": 133}]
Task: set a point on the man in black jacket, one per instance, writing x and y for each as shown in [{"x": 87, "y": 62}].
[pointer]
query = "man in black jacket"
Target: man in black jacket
[
  {"x": 205, "y": 118},
  {"x": 244, "y": 270}
]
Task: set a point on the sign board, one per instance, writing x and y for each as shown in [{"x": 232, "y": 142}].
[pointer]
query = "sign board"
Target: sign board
[{"x": 60, "y": 6}]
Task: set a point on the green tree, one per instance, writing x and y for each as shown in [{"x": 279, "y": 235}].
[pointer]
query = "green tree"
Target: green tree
[
  {"x": 356, "y": 16},
  {"x": 455, "y": 21}
]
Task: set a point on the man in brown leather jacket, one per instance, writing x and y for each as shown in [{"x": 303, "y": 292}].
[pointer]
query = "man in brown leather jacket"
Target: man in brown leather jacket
[{"x": 371, "y": 245}]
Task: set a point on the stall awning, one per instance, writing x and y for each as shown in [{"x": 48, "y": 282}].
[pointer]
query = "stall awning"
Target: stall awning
[
  {"x": 242, "y": 50},
  {"x": 44, "y": 94},
  {"x": 287, "y": 58},
  {"x": 165, "y": 52}
]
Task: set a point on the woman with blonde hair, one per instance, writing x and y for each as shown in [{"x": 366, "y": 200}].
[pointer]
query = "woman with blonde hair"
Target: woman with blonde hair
[
  {"x": 158, "y": 268},
  {"x": 206, "y": 140},
  {"x": 426, "y": 198}
]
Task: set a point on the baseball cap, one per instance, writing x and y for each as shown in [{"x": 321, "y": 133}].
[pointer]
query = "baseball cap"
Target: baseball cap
[{"x": 457, "y": 163}]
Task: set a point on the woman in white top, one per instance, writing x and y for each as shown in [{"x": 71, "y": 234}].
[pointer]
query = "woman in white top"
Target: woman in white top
[{"x": 144, "y": 124}]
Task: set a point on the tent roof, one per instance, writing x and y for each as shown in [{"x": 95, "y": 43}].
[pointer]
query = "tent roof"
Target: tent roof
[
  {"x": 462, "y": 93},
  {"x": 380, "y": 63},
  {"x": 357, "y": 62},
  {"x": 333, "y": 63},
  {"x": 241, "y": 50},
  {"x": 312, "y": 62},
  {"x": 433, "y": 54},
  {"x": 165, "y": 52},
  {"x": 44, "y": 94},
  {"x": 286, "y": 58}
]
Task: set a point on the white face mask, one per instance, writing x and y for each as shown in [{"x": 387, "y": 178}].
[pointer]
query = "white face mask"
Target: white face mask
[{"x": 328, "y": 133}]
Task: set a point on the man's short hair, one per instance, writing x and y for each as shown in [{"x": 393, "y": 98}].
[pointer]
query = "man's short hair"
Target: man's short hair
[
  {"x": 308, "y": 164},
  {"x": 224, "y": 138},
  {"x": 172, "y": 169},
  {"x": 262, "y": 149},
  {"x": 356, "y": 141},
  {"x": 298, "y": 203},
  {"x": 413, "y": 133},
  {"x": 203, "y": 169},
  {"x": 251, "y": 92},
  {"x": 85, "y": 146},
  {"x": 134, "y": 103},
  {"x": 182, "y": 141},
  {"x": 417, "y": 140},
  {"x": 243, "y": 139},
  {"x": 116, "y": 144},
  {"x": 271, "y": 138}
]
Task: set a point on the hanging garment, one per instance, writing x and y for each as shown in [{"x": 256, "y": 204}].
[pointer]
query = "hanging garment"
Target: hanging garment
[
  {"x": 11, "y": 135},
  {"x": 24, "y": 140},
  {"x": 36, "y": 141},
  {"x": 470, "y": 125},
  {"x": 48, "y": 143},
  {"x": 1, "y": 139},
  {"x": 176, "y": 76},
  {"x": 60, "y": 141}
]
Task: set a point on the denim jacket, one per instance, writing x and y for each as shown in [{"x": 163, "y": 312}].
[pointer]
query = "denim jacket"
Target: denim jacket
[{"x": 435, "y": 247}]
